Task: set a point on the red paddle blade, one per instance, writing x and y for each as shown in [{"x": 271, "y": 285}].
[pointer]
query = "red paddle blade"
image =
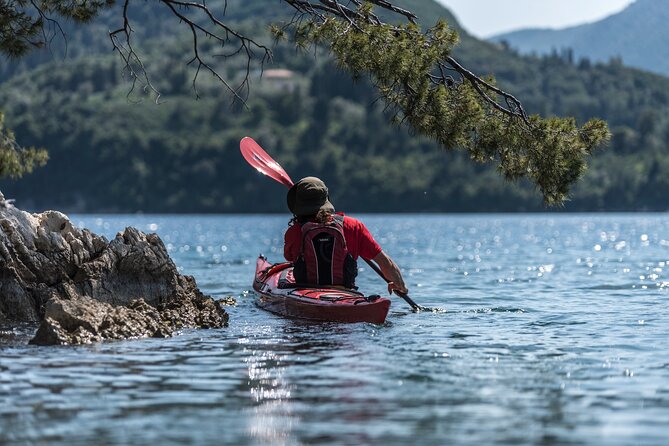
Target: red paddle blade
[{"x": 262, "y": 162}]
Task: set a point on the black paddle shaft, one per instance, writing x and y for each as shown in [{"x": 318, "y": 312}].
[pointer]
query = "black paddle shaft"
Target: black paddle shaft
[{"x": 408, "y": 300}]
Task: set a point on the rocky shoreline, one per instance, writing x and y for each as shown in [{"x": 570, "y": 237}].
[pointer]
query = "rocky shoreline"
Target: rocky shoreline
[{"x": 81, "y": 288}]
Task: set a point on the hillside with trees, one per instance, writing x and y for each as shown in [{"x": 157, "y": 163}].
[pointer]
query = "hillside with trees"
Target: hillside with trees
[{"x": 115, "y": 151}]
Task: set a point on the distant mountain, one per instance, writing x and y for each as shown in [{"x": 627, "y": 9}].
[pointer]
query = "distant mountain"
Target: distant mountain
[{"x": 639, "y": 35}]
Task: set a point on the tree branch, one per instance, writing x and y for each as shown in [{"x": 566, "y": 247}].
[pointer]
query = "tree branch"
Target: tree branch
[
  {"x": 201, "y": 21},
  {"x": 514, "y": 107},
  {"x": 334, "y": 8},
  {"x": 211, "y": 27}
]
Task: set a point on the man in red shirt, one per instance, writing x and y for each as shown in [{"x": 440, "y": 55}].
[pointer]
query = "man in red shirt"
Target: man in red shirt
[{"x": 308, "y": 201}]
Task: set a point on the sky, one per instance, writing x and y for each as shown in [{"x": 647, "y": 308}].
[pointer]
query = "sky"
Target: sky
[{"x": 484, "y": 18}]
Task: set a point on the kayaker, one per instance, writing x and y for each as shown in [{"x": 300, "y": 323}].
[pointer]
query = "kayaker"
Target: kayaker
[{"x": 334, "y": 241}]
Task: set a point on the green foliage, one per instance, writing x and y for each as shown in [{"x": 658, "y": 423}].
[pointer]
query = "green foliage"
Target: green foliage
[
  {"x": 16, "y": 161},
  {"x": 17, "y": 28},
  {"x": 23, "y": 22},
  {"x": 77, "y": 10},
  {"x": 400, "y": 61}
]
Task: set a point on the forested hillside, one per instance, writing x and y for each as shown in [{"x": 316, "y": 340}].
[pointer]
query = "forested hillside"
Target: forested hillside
[{"x": 111, "y": 151}]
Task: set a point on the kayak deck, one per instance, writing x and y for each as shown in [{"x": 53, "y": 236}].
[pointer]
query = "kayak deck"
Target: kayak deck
[{"x": 278, "y": 293}]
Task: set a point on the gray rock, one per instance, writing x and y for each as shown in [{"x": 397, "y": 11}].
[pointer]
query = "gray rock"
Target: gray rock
[{"x": 82, "y": 288}]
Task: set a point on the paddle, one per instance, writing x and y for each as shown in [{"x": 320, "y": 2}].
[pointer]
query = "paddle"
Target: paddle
[
  {"x": 265, "y": 164},
  {"x": 262, "y": 162},
  {"x": 404, "y": 296}
]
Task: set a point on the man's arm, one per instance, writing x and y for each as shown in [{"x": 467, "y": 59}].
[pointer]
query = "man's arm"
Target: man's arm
[{"x": 391, "y": 272}]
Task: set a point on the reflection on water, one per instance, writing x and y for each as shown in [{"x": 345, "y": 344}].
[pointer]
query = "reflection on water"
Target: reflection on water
[
  {"x": 554, "y": 332},
  {"x": 271, "y": 420}
]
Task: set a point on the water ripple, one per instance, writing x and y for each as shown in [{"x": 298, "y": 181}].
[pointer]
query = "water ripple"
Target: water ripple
[{"x": 545, "y": 340}]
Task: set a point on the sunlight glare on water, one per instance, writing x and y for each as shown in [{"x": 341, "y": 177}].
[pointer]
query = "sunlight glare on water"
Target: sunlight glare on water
[{"x": 554, "y": 332}]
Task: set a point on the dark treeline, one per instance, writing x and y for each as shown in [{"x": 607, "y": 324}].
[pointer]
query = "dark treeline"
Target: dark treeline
[{"x": 112, "y": 153}]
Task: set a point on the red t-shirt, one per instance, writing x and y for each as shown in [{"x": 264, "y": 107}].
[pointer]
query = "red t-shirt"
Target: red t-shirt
[{"x": 359, "y": 241}]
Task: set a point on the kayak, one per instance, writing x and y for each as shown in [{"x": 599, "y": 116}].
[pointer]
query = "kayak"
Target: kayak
[{"x": 278, "y": 293}]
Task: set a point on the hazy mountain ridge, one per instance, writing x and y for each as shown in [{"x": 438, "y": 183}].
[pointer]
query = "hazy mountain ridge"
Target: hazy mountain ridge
[{"x": 639, "y": 35}]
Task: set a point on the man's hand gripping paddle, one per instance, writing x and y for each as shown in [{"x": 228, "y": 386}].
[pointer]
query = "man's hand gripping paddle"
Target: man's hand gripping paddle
[{"x": 263, "y": 163}]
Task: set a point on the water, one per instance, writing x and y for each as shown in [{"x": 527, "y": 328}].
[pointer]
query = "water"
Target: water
[{"x": 555, "y": 332}]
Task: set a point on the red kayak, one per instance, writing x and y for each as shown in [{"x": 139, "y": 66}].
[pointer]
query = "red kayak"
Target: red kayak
[{"x": 278, "y": 293}]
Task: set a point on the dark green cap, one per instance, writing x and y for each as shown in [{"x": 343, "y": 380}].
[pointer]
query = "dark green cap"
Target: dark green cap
[{"x": 308, "y": 196}]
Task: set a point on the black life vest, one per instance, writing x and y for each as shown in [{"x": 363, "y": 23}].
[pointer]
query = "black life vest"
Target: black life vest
[{"x": 324, "y": 258}]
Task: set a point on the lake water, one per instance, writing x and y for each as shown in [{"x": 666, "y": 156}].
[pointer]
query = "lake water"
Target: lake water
[{"x": 555, "y": 331}]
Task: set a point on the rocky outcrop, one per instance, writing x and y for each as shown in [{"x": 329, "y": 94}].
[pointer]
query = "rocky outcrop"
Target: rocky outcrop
[{"x": 82, "y": 288}]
